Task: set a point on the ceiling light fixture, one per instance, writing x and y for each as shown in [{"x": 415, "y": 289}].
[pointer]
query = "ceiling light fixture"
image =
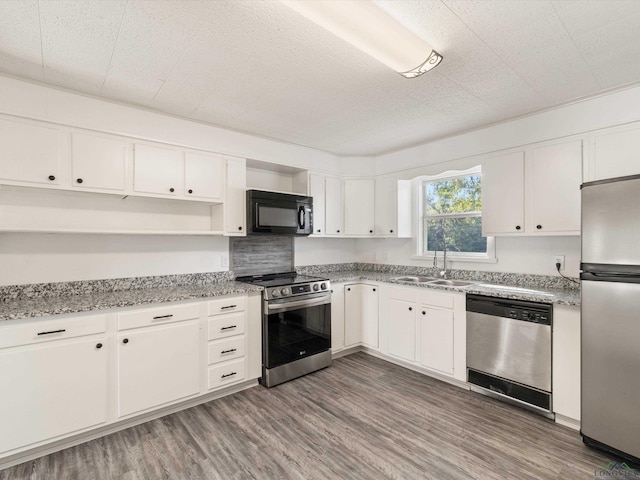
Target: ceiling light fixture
[{"x": 367, "y": 27}]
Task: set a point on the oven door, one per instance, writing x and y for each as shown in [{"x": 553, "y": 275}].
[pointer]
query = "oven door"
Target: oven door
[{"x": 295, "y": 329}]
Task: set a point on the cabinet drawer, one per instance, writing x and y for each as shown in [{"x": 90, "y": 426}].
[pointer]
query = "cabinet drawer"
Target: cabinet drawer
[
  {"x": 52, "y": 329},
  {"x": 154, "y": 316},
  {"x": 436, "y": 299},
  {"x": 226, "y": 325},
  {"x": 227, "y": 305},
  {"x": 226, "y": 373},
  {"x": 223, "y": 350}
]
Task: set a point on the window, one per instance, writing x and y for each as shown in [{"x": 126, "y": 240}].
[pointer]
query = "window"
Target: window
[{"x": 451, "y": 216}]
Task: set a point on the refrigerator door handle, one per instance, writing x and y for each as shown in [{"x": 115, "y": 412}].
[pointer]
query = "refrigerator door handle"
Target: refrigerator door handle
[{"x": 610, "y": 277}]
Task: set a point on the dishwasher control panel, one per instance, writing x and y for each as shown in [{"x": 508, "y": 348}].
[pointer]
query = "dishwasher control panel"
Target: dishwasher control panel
[{"x": 534, "y": 312}]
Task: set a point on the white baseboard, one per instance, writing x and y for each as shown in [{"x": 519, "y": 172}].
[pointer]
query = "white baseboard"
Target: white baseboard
[{"x": 568, "y": 422}]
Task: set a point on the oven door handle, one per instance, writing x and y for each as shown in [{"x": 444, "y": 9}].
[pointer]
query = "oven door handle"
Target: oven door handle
[{"x": 283, "y": 307}]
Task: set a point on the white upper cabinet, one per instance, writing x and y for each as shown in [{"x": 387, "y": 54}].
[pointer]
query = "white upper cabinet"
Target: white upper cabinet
[
  {"x": 155, "y": 170},
  {"x": 555, "y": 174},
  {"x": 615, "y": 153},
  {"x": 235, "y": 212},
  {"x": 29, "y": 152},
  {"x": 534, "y": 191},
  {"x": 503, "y": 194},
  {"x": 359, "y": 202},
  {"x": 98, "y": 162},
  {"x": 316, "y": 190},
  {"x": 204, "y": 176},
  {"x": 333, "y": 206},
  {"x": 385, "y": 211}
]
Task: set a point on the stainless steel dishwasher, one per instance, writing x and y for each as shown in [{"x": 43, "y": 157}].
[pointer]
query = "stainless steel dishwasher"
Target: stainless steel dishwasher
[{"x": 509, "y": 351}]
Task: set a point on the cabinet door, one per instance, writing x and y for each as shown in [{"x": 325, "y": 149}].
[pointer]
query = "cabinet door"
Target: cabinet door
[
  {"x": 352, "y": 314},
  {"x": 369, "y": 297},
  {"x": 616, "y": 153},
  {"x": 436, "y": 339},
  {"x": 386, "y": 204},
  {"x": 235, "y": 212},
  {"x": 333, "y": 206},
  {"x": 401, "y": 321},
  {"x": 554, "y": 196},
  {"x": 29, "y": 153},
  {"x": 203, "y": 176},
  {"x": 566, "y": 361},
  {"x": 51, "y": 389},
  {"x": 98, "y": 162},
  {"x": 155, "y": 170},
  {"x": 157, "y": 365},
  {"x": 337, "y": 318},
  {"x": 503, "y": 194},
  {"x": 359, "y": 203},
  {"x": 316, "y": 190}
]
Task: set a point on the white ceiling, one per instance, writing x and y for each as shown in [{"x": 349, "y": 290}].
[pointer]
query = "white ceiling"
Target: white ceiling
[{"x": 258, "y": 67}]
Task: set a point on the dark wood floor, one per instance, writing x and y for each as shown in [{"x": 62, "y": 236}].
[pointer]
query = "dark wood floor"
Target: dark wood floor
[{"x": 362, "y": 418}]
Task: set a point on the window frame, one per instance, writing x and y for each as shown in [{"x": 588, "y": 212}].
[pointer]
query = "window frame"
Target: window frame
[{"x": 419, "y": 221}]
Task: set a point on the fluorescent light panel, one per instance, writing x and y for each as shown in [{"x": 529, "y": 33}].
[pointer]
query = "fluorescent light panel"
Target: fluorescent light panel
[{"x": 368, "y": 28}]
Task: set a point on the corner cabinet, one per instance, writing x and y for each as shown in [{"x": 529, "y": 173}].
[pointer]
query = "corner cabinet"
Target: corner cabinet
[
  {"x": 235, "y": 211},
  {"x": 361, "y": 314},
  {"x": 359, "y": 204},
  {"x": 535, "y": 191}
]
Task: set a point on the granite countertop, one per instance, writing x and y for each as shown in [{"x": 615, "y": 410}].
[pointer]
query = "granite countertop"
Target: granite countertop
[
  {"x": 85, "y": 302},
  {"x": 535, "y": 294}
]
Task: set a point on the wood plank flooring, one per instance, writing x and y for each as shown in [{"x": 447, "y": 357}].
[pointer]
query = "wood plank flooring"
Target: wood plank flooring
[{"x": 362, "y": 418}]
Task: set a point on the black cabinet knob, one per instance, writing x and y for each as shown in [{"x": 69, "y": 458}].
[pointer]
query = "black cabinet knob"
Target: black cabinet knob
[
  {"x": 411, "y": 309},
  {"x": 539, "y": 227},
  {"x": 172, "y": 189},
  {"x": 370, "y": 231},
  {"x": 126, "y": 340},
  {"x": 52, "y": 177},
  {"x": 390, "y": 231},
  {"x": 374, "y": 289},
  {"x": 99, "y": 346},
  {"x": 338, "y": 231},
  {"x": 79, "y": 180},
  {"x": 424, "y": 313},
  {"x": 319, "y": 230},
  {"x": 518, "y": 227},
  {"x": 240, "y": 228},
  {"x": 348, "y": 289},
  {"x": 190, "y": 191}
]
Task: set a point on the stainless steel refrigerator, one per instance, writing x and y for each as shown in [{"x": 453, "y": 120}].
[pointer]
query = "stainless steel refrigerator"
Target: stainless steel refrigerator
[{"x": 611, "y": 315}]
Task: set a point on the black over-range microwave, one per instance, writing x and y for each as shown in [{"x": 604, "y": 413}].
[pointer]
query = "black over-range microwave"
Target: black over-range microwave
[{"x": 279, "y": 213}]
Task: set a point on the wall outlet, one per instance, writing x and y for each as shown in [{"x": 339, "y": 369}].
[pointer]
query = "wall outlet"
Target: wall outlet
[{"x": 558, "y": 259}]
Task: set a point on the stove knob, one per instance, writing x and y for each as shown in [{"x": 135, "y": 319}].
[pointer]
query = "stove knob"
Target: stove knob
[
  {"x": 323, "y": 286},
  {"x": 316, "y": 287},
  {"x": 275, "y": 293},
  {"x": 284, "y": 291}
]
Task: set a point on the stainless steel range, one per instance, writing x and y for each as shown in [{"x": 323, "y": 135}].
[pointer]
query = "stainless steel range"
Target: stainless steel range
[{"x": 296, "y": 325}]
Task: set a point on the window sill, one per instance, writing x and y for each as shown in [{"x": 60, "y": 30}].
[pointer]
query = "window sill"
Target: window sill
[{"x": 456, "y": 259}]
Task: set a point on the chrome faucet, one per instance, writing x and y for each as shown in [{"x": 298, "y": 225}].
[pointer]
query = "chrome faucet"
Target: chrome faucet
[{"x": 440, "y": 235}]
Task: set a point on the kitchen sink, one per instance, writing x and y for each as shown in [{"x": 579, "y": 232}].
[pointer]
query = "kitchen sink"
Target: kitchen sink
[
  {"x": 414, "y": 279},
  {"x": 452, "y": 283}
]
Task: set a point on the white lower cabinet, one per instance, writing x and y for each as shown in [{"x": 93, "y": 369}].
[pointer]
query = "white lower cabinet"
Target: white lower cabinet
[
  {"x": 67, "y": 375},
  {"x": 337, "y": 317},
  {"x": 361, "y": 314},
  {"x": 436, "y": 328},
  {"x": 52, "y": 387},
  {"x": 402, "y": 329},
  {"x": 566, "y": 361},
  {"x": 157, "y": 365},
  {"x": 426, "y": 328}
]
